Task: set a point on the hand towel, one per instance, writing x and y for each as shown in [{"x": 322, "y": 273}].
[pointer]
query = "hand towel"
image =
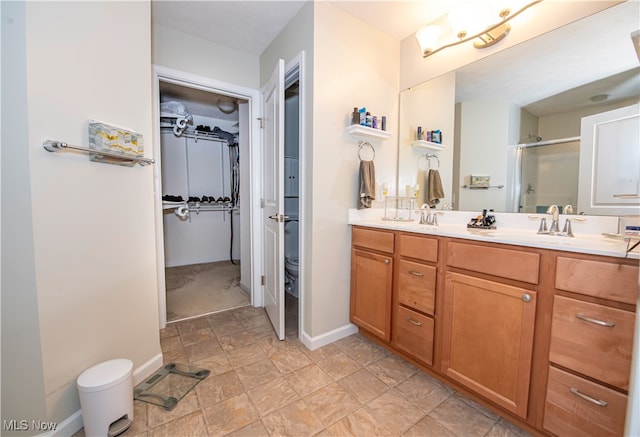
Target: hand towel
[
  {"x": 434, "y": 188},
  {"x": 366, "y": 184}
]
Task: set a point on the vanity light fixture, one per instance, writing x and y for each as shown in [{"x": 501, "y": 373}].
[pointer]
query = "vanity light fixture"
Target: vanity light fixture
[{"x": 468, "y": 22}]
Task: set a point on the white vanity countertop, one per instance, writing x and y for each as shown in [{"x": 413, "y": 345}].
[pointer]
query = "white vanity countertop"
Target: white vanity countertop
[{"x": 515, "y": 229}]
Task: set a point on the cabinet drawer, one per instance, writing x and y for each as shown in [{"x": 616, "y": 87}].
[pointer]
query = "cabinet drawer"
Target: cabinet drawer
[
  {"x": 417, "y": 286},
  {"x": 592, "y": 339},
  {"x": 577, "y": 407},
  {"x": 413, "y": 333},
  {"x": 414, "y": 246},
  {"x": 505, "y": 263},
  {"x": 372, "y": 239},
  {"x": 600, "y": 279}
]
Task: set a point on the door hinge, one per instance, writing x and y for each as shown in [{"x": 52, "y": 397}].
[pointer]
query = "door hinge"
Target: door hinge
[
  {"x": 261, "y": 120},
  {"x": 262, "y": 280}
]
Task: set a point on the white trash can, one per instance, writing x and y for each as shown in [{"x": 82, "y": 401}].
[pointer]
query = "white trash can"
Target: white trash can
[{"x": 106, "y": 398}]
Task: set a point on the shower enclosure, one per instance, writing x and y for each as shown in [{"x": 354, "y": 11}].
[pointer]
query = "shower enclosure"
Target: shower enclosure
[{"x": 548, "y": 174}]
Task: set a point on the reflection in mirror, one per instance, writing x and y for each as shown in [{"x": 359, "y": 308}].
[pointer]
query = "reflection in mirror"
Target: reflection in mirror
[
  {"x": 549, "y": 175},
  {"x": 533, "y": 94}
]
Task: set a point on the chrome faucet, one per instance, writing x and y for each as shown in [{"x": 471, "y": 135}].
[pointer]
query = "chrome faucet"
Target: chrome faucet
[
  {"x": 428, "y": 218},
  {"x": 555, "y": 217}
]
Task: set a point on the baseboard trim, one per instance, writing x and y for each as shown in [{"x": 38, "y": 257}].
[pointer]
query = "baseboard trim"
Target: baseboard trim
[
  {"x": 74, "y": 423},
  {"x": 147, "y": 369},
  {"x": 318, "y": 341}
]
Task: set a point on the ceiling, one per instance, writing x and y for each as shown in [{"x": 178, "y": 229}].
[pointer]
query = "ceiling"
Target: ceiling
[{"x": 250, "y": 26}]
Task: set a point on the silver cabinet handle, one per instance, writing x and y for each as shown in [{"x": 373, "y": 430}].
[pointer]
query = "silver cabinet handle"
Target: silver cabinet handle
[
  {"x": 413, "y": 272},
  {"x": 526, "y": 298},
  {"x": 386, "y": 261},
  {"x": 598, "y": 402},
  {"x": 595, "y": 321},
  {"x": 415, "y": 322}
]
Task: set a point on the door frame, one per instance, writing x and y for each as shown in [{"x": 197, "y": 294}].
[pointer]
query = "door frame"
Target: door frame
[
  {"x": 253, "y": 172},
  {"x": 298, "y": 63}
]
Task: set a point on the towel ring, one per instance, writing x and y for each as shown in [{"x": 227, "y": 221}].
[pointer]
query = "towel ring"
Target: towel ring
[
  {"x": 428, "y": 157},
  {"x": 361, "y": 144}
]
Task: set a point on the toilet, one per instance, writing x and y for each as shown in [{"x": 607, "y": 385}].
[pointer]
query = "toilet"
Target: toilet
[
  {"x": 291, "y": 271},
  {"x": 291, "y": 257}
]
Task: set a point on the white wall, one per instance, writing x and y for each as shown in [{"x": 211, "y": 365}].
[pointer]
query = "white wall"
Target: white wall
[
  {"x": 93, "y": 225},
  {"x": 183, "y": 52},
  {"x": 354, "y": 65}
]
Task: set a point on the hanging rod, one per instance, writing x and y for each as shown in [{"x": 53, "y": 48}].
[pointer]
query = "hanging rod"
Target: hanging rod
[
  {"x": 482, "y": 188},
  {"x": 549, "y": 142},
  {"x": 56, "y": 146}
]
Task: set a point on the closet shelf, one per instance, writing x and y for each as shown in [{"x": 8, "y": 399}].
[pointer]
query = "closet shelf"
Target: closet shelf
[
  {"x": 198, "y": 135},
  {"x": 356, "y": 129},
  {"x": 428, "y": 145},
  {"x": 195, "y": 207}
]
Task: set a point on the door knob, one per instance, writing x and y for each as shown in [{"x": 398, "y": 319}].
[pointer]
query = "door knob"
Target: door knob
[{"x": 279, "y": 217}]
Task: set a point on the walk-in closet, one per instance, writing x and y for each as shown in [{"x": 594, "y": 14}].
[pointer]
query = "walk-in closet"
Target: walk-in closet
[{"x": 200, "y": 171}]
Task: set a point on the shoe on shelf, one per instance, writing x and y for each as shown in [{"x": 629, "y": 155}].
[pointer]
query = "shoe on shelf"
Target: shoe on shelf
[
  {"x": 220, "y": 200},
  {"x": 227, "y": 200},
  {"x": 172, "y": 198},
  {"x": 205, "y": 199}
]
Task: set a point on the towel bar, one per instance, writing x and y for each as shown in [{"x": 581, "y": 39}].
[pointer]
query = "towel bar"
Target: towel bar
[{"x": 56, "y": 146}]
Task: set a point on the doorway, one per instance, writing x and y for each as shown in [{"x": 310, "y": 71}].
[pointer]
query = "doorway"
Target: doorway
[
  {"x": 292, "y": 201},
  {"x": 204, "y": 192},
  {"x": 199, "y": 143}
]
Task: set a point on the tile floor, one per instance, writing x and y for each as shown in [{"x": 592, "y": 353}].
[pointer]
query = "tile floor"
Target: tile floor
[{"x": 260, "y": 386}]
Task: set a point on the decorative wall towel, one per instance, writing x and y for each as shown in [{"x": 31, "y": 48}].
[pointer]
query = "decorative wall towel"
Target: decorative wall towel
[
  {"x": 366, "y": 184},
  {"x": 434, "y": 188}
]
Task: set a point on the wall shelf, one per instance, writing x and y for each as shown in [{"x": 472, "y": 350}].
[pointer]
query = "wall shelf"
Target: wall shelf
[
  {"x": 428, "y": 145},
  {"x": 356, "y": 129}
]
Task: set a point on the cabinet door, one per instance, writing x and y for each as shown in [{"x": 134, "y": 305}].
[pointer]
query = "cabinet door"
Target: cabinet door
[
  {"x": 610, "y": 162},
  {"x": 371, "y": 282},
  {"x": 488, "y": 339}
]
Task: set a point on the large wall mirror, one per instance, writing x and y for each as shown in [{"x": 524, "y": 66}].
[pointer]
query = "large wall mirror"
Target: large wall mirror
[{"x": 515, "y": 116}]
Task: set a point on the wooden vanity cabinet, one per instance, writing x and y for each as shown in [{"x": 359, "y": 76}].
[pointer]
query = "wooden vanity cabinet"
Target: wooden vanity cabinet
[
  {"x": 591, "y": 346},
  {"x": 488, "y": 324},
  {"x": 469, "y": 312},
  {"x": 415, "y": 295},
  {"x": 372, "y": 280}
]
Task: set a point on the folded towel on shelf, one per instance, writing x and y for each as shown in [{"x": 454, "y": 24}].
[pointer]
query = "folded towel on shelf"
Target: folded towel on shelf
[
  {"x": 366, "y": 184},
  {"x": 434, "y": 188}
]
